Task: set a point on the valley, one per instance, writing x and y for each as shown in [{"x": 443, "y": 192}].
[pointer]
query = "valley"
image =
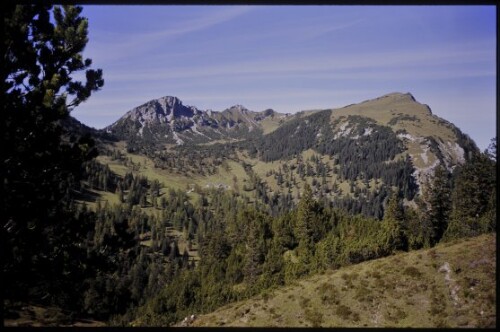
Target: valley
[
  {"x": 352, "y": 159},
  {"x": 260, "y": 207},
  {"x": 380, "y": 213}
]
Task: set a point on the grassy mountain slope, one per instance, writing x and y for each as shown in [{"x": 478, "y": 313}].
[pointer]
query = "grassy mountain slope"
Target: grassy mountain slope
[
  {"x": 451, "y": 285},
  {"x": 427, "y": 137}
]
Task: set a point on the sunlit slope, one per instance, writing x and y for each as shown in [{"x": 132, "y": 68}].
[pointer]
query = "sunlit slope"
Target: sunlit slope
[
  {"x": 347, "y": 153},
  {"x": 416, "y": 126},
  {"x": 451, "y": 285}
]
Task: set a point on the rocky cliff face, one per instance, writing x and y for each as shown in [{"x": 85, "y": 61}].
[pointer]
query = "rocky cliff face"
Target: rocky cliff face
[{"x": 167, "y": 120}]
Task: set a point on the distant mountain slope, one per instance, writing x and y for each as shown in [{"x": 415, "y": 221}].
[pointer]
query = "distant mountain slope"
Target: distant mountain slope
[
  {"x": 371, "y": 135},
  {"x": 428, "y": 139},
  {"x": 451, "y": 285},
  {"x": 167, "y": 121},
  {"x": 392, "y": 140}
]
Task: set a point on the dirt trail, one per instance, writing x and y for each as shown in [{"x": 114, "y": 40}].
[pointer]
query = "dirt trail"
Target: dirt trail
[{"x": 452, "y": 285}]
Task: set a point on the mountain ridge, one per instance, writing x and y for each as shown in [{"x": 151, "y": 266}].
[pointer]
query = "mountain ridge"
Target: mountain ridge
[
  {"x": 169, "y": 108},
  {"x": 383, "y": 129},
  {"x": 179, "y": 124}
]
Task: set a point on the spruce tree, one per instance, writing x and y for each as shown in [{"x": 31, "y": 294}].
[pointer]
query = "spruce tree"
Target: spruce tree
[
  {"x": 437, "y": 199},
  {"x": 304, "y": 229},
  {"x": 473, "y": 198},
  {"x": 392, "y": 225}
]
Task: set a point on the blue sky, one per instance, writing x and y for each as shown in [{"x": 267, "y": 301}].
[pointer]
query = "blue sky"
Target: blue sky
[{"x": 293, "y": 58}]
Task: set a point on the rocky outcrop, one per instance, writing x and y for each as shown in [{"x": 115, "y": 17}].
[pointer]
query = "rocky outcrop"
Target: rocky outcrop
[{"x": 167, "y": 120}]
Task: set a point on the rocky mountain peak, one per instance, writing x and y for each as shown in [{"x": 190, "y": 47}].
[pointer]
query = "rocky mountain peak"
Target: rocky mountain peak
[
  {"x": 162, "y": 110},
  {"x": 169, "y": 101},
  {"x": 238, "y": 108},
  {"x": 401, "y": 95}
]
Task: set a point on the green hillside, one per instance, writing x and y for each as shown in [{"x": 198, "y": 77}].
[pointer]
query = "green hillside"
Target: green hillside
[
  {"x": 352, "y": 156},
  {"x": 251, "y": 218},
  {"x": 322, "y": 190},
  {"x": 451, "y": 285}
]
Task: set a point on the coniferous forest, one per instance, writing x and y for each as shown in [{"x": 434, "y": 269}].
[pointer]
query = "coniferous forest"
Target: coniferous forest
[{"x": 154, "y": 254}]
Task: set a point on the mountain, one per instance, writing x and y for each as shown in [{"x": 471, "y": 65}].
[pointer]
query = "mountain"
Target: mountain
[
  {"x": 351, "y": 156},
  {"x": 167, "y": 121},
  {"x": 245, "y": 203},
  {"x": 377, "y": 131},
  {"x": 429, "y": 139}
]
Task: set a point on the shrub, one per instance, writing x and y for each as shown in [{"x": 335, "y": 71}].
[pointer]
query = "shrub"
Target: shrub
[
  {"x": 491, "y": 298},
  {"x": 412, "y": 272},
  {"x": 304, "y": 302},
  {"x": 441, "y": 323},
  {"x": 438, "y": 304},
  {"x": 343, "y": 311},
  {"x": 380, "y": 283},
  {"x": 328, "y": 293},
  {"x": 363, "y": 294},
  {"x": 348, "y": 278},
  {"x": 432, "y": 253},
  {"x": 410, "y": 301},
  {"x": 265, "y": 297},
  {"x": 315, "y": 317},
  {"x": 400, "y": 314}
]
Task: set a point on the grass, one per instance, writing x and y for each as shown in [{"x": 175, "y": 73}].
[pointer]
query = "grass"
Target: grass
[
  {"x": 28, "y": 315},
  {"x": 405, "y": 290},
  {"x": 230, "y": 175},
  {"x": 270, "y": 124},
  {"x": 383, "y": 110}
]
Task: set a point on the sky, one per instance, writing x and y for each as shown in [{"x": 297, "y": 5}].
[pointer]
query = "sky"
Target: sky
[{"x": 293, "y": 58}]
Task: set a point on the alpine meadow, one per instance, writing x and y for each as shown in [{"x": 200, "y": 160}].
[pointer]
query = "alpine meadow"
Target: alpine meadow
[{"x": 377, "y": 213}]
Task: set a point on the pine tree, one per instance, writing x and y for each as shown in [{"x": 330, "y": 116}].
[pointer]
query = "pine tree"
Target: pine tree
[
  {"x": 437, "y": 200},
  {"x": 473, "y": 198},
  {"x": 303, "y": 230},
  {"x": 42, "y": 162},
  {"x": 392, "y": 225},
  {"x": 255, "y": 247},
  {"x": 491, "y": 151},
  {"x": 304, "y": 218}
]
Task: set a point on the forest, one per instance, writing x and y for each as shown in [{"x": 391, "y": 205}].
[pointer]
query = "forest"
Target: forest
[{"x": 117, "y": 263}]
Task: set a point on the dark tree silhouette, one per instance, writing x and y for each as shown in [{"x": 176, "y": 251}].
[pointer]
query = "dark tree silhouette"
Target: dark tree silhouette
[{"x": 42, "y": 49}]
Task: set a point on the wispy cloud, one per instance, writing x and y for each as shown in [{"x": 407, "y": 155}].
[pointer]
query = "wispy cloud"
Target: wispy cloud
[
  {"x": 320, "y": 30},
  {"x": 291, "y": 58},
  {"x": 406, "y": 62},
  {"x": 107, "y": 46}
]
